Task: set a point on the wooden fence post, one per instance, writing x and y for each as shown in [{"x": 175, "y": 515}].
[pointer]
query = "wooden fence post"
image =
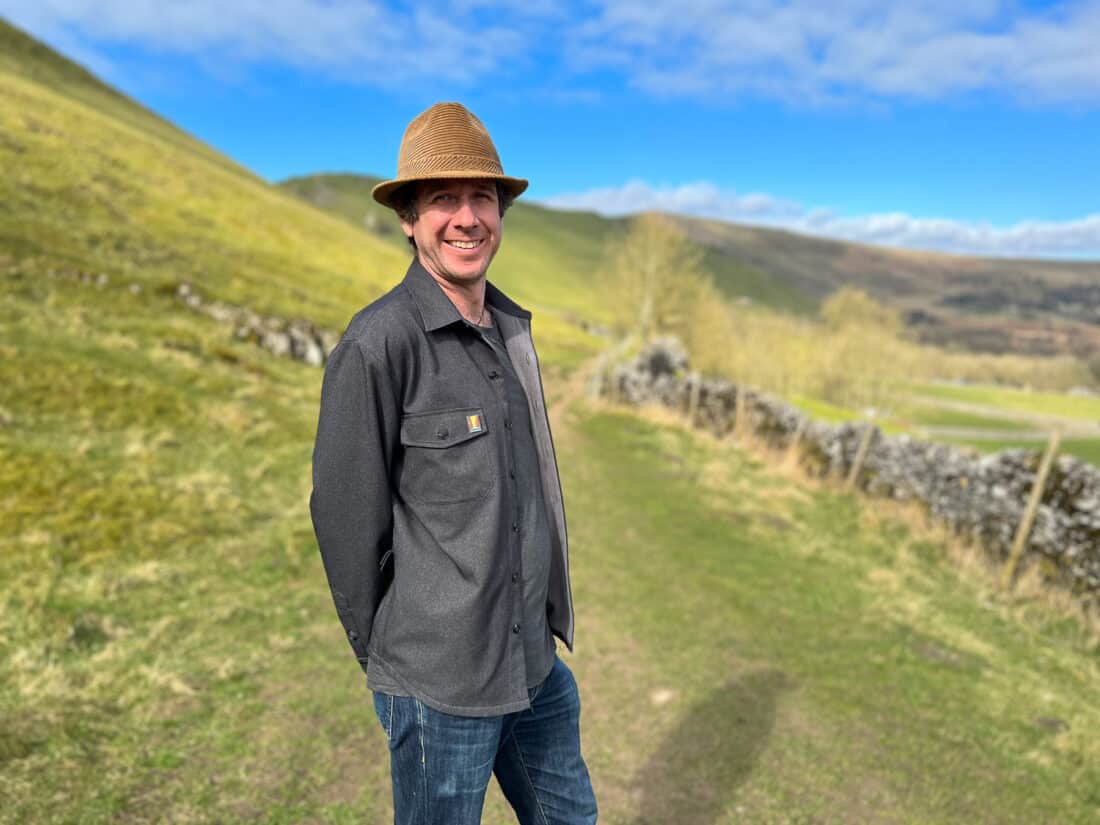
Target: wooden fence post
[
  {"x": 861, "y": 454},
  {"x": 740, "y": 411},
  {"x": 1036, "y": 498},
  {"x": 693, "y": 397},
  {"x": 791, "y": 459}
]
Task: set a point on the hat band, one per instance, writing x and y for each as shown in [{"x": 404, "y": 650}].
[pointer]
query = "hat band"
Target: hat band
[{"x": 435, "y": 164}]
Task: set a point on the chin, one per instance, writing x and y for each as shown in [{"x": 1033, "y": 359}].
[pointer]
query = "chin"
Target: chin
[
  {"x": 470, "y": 270},
  {"x": 464, "y": 276}
]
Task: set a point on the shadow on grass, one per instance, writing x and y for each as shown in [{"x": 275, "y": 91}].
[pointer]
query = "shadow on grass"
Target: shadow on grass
[{"x": 695, "y": 772}]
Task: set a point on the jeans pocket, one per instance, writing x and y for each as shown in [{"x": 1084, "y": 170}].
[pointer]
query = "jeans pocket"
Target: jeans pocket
[{"x": 383, "y": 708}]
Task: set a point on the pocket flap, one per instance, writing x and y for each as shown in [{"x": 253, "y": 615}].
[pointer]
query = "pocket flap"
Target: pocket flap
[{"x": 443, "y": 428}]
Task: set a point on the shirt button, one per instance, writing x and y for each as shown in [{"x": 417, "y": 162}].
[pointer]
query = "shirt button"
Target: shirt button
[
  {"x": 507, "y": 423},
  {"x": 512, "y": 473},
  {"x": 352, "y": 635},
  {"x": 515, "y": 527},
  {"x": 516, "y": 628},
  {"x": 441, "y": 433},
  {"x": 494, "y": 374},
  {"x": 515, "y": 578}
]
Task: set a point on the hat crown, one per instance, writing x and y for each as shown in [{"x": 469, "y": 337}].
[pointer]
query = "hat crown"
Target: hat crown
[
  {"x": 447, "y": 136},
  {"x": 446, "y": 141}
]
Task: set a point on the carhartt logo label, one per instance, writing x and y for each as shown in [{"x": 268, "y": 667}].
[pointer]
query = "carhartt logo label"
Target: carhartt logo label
[{"x": 473, "y": 423}]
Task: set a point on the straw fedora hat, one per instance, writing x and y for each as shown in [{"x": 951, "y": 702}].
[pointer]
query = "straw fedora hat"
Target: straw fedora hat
[{"x": 446, "y": 141}]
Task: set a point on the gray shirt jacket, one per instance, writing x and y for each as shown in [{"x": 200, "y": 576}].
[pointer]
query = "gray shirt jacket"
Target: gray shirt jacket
[{"x": 414, "y": 521}]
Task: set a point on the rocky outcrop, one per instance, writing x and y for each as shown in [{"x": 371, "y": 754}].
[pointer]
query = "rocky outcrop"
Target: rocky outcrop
[
  {"x": 294, "y": 338},
  {"x": 981, "y": 497}
]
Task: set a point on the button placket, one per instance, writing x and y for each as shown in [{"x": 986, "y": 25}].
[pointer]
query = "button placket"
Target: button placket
[{"x": 497, "y": 381}]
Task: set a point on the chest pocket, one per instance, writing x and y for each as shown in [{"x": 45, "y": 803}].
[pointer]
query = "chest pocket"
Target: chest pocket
[{"x": 448, "y": 457}]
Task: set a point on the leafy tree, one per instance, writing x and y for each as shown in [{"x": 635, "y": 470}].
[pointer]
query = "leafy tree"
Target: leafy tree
[
  {"x": 655, "y": 278},
  {"x": 850, "y": 306}
]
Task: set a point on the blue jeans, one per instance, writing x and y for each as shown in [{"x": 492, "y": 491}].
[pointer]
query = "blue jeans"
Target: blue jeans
[{"x": 440, "y": 764}]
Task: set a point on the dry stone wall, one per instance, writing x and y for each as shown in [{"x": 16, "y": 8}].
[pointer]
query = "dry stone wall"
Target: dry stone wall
[
  {"x": 981, "y": 497},
  {"x": 295, "y": 338}
]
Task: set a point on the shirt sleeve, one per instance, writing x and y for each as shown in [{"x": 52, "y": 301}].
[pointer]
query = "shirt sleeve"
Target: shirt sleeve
[{"x": 351, "y": 504}]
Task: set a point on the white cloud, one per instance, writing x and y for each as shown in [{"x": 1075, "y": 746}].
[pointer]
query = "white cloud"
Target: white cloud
[
  {"x": 808, "y": 51},
  {"x": 359, "y": 39},
  {"x": 701, "y": 198},
  {"x": 801, "y": 51},
  {"x": 1075, "y": 238}
]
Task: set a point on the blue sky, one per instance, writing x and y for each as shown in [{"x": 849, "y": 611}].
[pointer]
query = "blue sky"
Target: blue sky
[{"x": 969, "y": 126}]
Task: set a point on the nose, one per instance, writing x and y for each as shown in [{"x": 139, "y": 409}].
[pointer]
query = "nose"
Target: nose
[{"x": 464, "y": 215}]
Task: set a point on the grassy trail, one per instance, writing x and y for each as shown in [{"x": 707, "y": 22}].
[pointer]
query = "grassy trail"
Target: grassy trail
[
  {"x": 748, "y": 650},
  {"x": 760, "y": 652}
]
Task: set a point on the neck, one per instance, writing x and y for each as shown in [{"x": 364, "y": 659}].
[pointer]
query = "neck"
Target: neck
[{"x": 469, "y": 299}]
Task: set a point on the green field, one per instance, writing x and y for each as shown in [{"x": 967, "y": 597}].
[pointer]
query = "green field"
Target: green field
[
  {"x": 1009, "y": 410},
  {"x": 1087, "y": 449},
  {"x": 932, "y": 416},
  {"x": 1060, "y": 405},
  {"x": 750, "y": 648},
  {"x": 987, "y": 432}
]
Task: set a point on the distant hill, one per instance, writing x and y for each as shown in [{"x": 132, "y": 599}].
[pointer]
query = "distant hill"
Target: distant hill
[
  {"x": 986, "y": 304},
  {"x": 994, "y": 304},
  {"x": 559, "y": 252}
]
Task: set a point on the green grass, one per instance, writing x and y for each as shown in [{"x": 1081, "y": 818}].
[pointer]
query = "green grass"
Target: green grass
[
  {"x": 820, "y": 410},
  {"x": 349, "y": 197},
  {"x": 1017, "y": 400},
  {"x": 23, "y": 56},
  {"x": 931, "y": 416},
  {"x": 739, "y": 279},
  {"x": 775, "y": 655},
  {"x": 1087, "y": 449}
]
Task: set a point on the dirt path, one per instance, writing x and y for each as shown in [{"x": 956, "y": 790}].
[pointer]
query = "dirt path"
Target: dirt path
[{"x": 578, "y": 382}]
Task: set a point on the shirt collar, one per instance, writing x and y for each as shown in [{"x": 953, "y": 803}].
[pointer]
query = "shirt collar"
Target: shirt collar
[{"x": 436, "y": 309}]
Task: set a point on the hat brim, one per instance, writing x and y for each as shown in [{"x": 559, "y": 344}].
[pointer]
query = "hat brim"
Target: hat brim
[{"x": 383, "y": 192}]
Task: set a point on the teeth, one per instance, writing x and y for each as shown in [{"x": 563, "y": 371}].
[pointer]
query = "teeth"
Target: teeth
[{"x": 465, "y": 244}]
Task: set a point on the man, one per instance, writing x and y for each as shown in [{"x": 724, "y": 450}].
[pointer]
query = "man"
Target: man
[{"x": 438, "y": 509}]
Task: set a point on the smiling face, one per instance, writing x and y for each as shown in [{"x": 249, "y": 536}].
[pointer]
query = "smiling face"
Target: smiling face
[{"x": 457, "y": 228}]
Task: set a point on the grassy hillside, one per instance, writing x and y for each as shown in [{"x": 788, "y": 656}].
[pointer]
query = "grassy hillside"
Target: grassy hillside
[
  {"x": 985, "y": 304},
  {"x": 548, "y": 255},
  {"x": 24, "y": 56},
  {"x": 749, "y": 649}
]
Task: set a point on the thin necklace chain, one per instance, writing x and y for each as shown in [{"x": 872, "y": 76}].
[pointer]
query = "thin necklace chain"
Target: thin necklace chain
[{"x": 479, "y": 317}]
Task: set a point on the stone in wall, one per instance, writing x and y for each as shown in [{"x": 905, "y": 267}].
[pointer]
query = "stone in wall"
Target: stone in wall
[{"x": 296, "y": 338}]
